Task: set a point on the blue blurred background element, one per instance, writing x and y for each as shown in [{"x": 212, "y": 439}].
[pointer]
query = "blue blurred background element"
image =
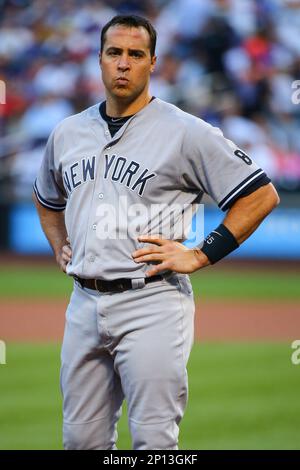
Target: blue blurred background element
[
  {"x": 234, "y": 63},
  {"x": 278, "y": 237}
]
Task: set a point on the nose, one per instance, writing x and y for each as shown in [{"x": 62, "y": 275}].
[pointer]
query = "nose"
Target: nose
[{"x": 123, "y": 63}]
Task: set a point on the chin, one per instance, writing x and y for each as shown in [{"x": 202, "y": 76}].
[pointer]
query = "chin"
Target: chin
[{"x": 122, "y": 93}]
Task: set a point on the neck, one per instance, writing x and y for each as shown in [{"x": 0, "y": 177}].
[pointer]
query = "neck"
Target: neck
[{"x": 116, "y": 107}]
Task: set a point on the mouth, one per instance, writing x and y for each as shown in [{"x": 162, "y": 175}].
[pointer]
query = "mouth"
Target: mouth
[{"x": 122, "y": 81}]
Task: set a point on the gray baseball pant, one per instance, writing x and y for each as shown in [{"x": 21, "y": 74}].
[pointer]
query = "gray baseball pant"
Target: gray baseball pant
[{"x": 133, "y": 345}]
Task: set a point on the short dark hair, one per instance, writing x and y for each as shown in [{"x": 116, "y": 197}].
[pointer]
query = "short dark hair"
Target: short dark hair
[{"x": 130, "y": 21}]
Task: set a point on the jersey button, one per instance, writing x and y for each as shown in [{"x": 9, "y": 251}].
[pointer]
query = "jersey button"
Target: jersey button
[
  {"x": 100, "y": 196},
  {"x": 94, "y": 226}
]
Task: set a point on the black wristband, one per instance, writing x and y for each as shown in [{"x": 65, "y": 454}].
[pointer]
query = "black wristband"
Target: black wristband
[{"x": 218, "y": 244}]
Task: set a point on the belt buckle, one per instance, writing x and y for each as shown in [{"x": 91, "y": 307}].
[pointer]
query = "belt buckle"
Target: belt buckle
[{"x": 100, "y": 287}]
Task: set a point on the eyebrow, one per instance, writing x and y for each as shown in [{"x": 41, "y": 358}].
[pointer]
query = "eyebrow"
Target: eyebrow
[{"x": 119, "y": 49}]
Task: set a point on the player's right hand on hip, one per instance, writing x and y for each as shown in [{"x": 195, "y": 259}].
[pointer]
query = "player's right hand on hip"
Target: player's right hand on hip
[{"x": 64, "y": 257}]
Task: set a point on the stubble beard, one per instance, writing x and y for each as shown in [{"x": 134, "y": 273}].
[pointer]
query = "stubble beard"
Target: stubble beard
[{"x": 126, "y": 95}]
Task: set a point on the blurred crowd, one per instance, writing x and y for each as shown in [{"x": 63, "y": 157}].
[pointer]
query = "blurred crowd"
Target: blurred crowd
[{"x": 231, "y": 62}]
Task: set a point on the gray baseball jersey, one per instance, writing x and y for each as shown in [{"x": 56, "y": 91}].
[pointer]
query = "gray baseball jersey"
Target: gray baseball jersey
[
  {"x": 133, "y": 344},
  {"x": 161, "y": 156}
]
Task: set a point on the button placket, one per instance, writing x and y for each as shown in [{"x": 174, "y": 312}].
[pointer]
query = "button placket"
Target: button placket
[{"x": 96, "y": 197}]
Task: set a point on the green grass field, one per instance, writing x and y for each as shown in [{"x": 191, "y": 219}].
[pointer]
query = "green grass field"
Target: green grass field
[
  {"x": 241, "y": 397},
  {"x": 210, "y": 283}
]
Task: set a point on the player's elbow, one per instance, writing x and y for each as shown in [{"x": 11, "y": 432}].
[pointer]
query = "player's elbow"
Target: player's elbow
[
  {"x": 264, "y": 200},
  {"x": 272, "y": 198}
]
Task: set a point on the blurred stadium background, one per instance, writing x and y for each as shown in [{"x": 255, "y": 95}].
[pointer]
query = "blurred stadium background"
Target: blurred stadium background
[{"x": 234, "y": 63}]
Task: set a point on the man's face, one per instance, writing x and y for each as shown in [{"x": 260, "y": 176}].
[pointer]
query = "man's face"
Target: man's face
[{"x": 126, "y": 61}]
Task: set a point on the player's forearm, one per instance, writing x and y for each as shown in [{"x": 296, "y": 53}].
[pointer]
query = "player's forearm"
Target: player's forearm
[
  {"x": 248, "y": 212},
  {"x": 53, "y": 225}
]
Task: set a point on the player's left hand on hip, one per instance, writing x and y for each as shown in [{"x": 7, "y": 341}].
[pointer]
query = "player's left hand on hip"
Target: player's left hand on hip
[{"x": 172, "y": 256}]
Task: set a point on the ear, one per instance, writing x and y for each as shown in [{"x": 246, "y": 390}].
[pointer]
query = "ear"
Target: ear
[
  {"x": 153, "y": 63},
  {"x": 100, "y": 58}
]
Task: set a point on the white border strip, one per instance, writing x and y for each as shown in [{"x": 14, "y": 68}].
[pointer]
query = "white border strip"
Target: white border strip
[{"x": 242, "y": 187}]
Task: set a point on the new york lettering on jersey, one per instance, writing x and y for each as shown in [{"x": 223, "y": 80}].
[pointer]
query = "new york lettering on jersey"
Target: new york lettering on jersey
[{"x": 115, "y": 168}]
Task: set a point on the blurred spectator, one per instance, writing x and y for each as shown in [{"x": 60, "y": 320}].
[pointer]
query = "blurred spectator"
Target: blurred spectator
[
  {"x": 23, "y": 169},
  {"x": 57, "y": 79},
  {"x": 42, "y": 116},
  {"x": 230, "y": 62}
]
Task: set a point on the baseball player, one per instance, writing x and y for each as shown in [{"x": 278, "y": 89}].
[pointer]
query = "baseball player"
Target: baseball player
[{"x": 106, "y": 174}]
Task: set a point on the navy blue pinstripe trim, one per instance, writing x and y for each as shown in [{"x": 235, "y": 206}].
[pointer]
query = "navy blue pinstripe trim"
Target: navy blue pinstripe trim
[
  {"x": 240, "y": 188},
  {"x": 47, "y": 204}
]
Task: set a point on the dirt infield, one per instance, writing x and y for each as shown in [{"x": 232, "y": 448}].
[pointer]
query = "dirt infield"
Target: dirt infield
[{"x": 215, "y": 320}]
